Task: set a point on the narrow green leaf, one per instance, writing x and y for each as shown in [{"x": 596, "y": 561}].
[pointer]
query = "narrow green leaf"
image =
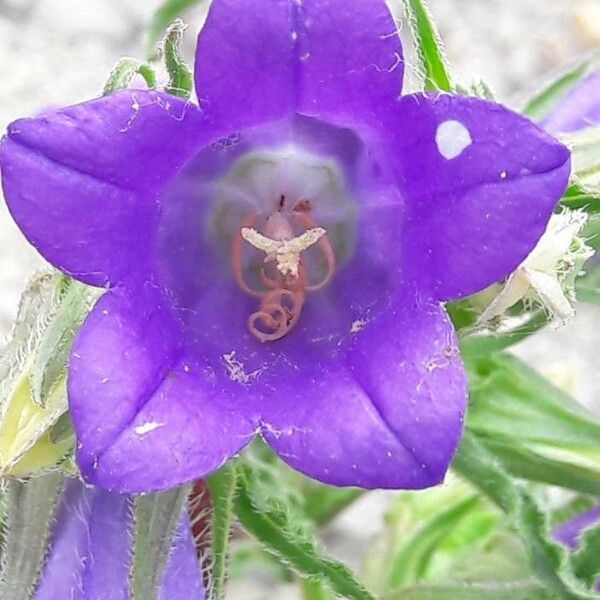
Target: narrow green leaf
[
  {"x": 180, "y": 75},
  {"x": 577, "y": 198},
  {"x": 123, "y": 73},
  {"x": 585, "y": 155},
  {"x": 162, "y": 18},
  {"x": 586, "y": 560},
  {"x": 52, "y": 351},
  {"x": 23, "y": 422},
  {"x": 587, "y": 287},
  {"x": 155, "y": 517},
  {"x": 272, "y": 525},
  {"x": 222, "y": 486},
  {"x": 39, "y": 302},
  {"x": 428, "y": 45},
  {"x": 526, "y": 464},
  {"x": 542, "y": 103},
  {"x": 475, "y": 591},
  {"x": 549, "y": 561},
  {"x": 410, "y": 561},
  {"x": 511, "y": 401},
  {"x": 29, "y": 511}
]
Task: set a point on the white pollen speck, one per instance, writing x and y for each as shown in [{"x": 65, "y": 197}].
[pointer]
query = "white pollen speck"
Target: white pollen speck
[
  {"x": 147, "y": 427},
  {"x": 503, "y": 175},
  {"x": 358, "y": 325},
  {"x": 104, "y": 380},
  {"x": 294, "y": 36},
  {"x": 104, "y": 312},
  {"x": 451, "y": 138},
  {"x": 186, "y": 368}
]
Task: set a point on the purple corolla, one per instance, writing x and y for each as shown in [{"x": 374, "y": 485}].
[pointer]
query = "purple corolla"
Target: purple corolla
[
  {"x": 578, "y": 108},
  {"x": 276, "y": 258},
  {"x": 569, "y": 533},
  {"x": 91, "y": 551}
]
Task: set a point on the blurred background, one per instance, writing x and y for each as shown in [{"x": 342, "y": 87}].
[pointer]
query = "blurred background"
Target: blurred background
[{"x": 57, "y": 52}]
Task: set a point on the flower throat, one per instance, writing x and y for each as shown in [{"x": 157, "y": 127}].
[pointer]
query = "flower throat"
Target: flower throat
[{"x": 284, "y": 236}]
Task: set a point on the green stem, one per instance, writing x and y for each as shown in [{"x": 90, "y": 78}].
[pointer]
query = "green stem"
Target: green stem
[{"x": 222, "y": 486}]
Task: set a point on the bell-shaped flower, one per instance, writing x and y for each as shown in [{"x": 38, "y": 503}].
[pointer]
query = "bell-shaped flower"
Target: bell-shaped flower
[{"x": 276, "y": 257}]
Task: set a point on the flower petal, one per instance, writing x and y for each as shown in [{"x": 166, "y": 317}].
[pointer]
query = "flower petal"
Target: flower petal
[
  {"x": 388, "y": 416},
  {"x": 141, "y": 419},
  {"x": 480, "y": 183},
  {"x": 258, "y": 61},
  {"x": 89, "y": 523},
  {"x": 580, "y": 107},
  {"x": 569, "y": 533},
  {"x": 81, "y": 182},
  {"x": 90, "y": 550}
]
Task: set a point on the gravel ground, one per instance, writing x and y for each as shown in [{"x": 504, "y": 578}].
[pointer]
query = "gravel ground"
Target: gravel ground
[{"x": 58, "y": 52}]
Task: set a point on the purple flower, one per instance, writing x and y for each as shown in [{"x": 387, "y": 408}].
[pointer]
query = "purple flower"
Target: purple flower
[
  {"x": 91, "y": 550},
  {"x": 569, "y": 533},
  {"x": 306, "y": 203},
  {"x": 579, "y": 108}
]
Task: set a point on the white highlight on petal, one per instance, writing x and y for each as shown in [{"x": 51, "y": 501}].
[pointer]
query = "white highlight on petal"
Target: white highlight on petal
[
  {"x": 452, "y": 138},
  {"x": 147, "y": 427}
]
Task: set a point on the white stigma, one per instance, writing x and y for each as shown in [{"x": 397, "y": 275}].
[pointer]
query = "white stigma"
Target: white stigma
[{"x": 285, "y": 252}]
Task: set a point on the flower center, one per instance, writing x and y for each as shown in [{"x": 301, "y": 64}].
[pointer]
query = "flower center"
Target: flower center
[
  {"x": 288, "y": 223},
  {"x": 283, "y": 275}
]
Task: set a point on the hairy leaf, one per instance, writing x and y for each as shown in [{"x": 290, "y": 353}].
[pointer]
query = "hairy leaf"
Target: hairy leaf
[
  {"x": 155, "y": 517},
  {"x": 428, "y": 45},
  {"x": 222, "y": 485},
  {"x": 28, "y": 517},
  {"x": 123, "y": 73},
  {"x": 272, "y": 524},
  {"x": 549, "y": 561}
]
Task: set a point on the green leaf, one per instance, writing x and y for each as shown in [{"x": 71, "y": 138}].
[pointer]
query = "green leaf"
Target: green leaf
[
  {"x": 51, "y": 353},
  {"x": 23, "y": 422},
  {"x": 123, "y": 73},
  {"x": 162, "y": 18},
  {"x": 29, "y": 512},
  {"x": 428, "y": 46},
  {"x": 410, "y": 561},
  {"x": 549, "y": 561},
  {"x": 585, "y": 156},
  {"x": 587, "y": 287},
  {"x": 475, "y": 591},
  {"x": 180, "y": 75},
  {"x": 586, "y": 560},
  {"x": 277, "y": 529},
  {"x": 155, "y": 517},
  {"x": 577, "y": 198},
  {"x": 542, "y": 103},
  {"x": 512, "y": 402},
  {"x": 526, "y": 464},
  {"x": 222, "y": 486}
]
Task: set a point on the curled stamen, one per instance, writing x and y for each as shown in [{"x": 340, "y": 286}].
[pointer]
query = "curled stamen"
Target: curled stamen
[
  {"x": 236, "y": 257},
  {"x": 325, "y": 246},
  {"x": 283, "y": 274},
  {"x": 275, "y": 315}
]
